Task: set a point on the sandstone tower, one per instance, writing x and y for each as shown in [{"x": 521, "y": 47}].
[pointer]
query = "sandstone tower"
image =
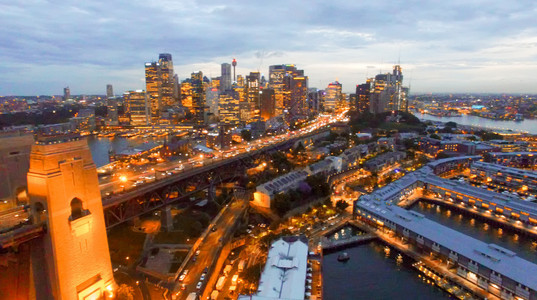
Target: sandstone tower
[{"x": 72, "y": 260}]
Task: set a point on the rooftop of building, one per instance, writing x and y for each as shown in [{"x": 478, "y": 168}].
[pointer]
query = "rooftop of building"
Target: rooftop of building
[
  {"x": 280, "y": 183},
  {"x": 504, "y": 169},
  {"x": 492, "y": 256},
  {"x": 284, "y": 275}
]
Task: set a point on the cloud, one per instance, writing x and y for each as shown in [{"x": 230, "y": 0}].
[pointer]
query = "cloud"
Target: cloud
[{"x": 48, "y": 44}]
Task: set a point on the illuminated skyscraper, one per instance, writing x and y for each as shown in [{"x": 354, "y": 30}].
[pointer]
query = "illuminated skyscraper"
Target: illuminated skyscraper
[
  {"x": 211, "y": 98},
  {"x": 225, "y": 79},
  {"x": 198, "y": 97},
  {"x": 186, "y": 94},
  {"x": 152, "y": 85},
  {"x": 299, "y": 95},
  {"x": 166, "y": 79},
  {"x": 138, "y": 107},
  {"x": 362, "y": 96},
  {"x": 332, "y": 96},
  {"x": 276, "y": 75},
  {"x": 228, "y": 109},
  {"x": 290, "y": 90},
  {"x": 111, "y": 112},
  {"x": 66, "y": 94},
  {"x": 387, "y": 93},
  {"x": 252, "y": 94},
  {"x": 267, "y": 105},
  {"x": 109, "y": 91},
  {"x": 176, "y": 89}
]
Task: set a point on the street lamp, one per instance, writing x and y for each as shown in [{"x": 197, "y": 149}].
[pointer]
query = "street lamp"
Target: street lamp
[{"x": 123, "y": 178}]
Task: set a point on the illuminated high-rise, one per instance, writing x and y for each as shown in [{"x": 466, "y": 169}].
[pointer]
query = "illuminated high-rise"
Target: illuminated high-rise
[
  {"x": 290, "y": 90},
  {"x": 267, "y": 104},
  {"x": 252, "y": 94},
  {"x": 186, "y": 94},
  {"x": 138, "y": 107},
  {"x": 299, "y": 94},
  {"x": 152, "y": 85},
  {"x": 198, "y": 97},
  {"x": 276, "y": 82},
  {"x": 387, "y": 92},
  {"x": 166, "y": 79},
  {"x": 111, "y": 112},
  {"x": 362, "y": 96},
  {"x": 225, "y": 79},
  {"x": 333, "y": 96},
  {"x": 176, "y": 89},
  {"x": 228, "y": 109}
]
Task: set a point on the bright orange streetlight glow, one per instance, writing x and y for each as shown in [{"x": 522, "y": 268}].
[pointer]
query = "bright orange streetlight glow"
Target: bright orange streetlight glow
[{"x": 123, "y": 178}]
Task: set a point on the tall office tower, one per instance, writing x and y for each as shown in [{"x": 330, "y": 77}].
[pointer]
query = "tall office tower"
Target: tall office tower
[
  {"x": 314, "y": 100},
  {"x": 166, "y": 79},
  {"x": 252, "y": 94},
  {"x": 267, "y": 105},
  {"x": 198, "y": 97},
  {"x": 299, "y": 94},
  {"x": 225, "y": 79},
  {"x": 240, "y": 81},
  {"x": 290, "y": 89},
  {"x": 71, "y": 260},
  {"x": 152, "y": 85},
  {"x": 332, "y": 96},
  {"x": 228, "y": 109},
  {"x": 404, "y": 99},
  {"x": 211, "y": 96},
  {"x": 387, "y": 93},
  {"x": 66, "y": 94},
  {"x": 111, "y": 112},
  {"x": 176, "y": 89},
  {"x": 362, "y": 96},
  {"x": 138, "y": 104},
  {"x": 353, "y": 102},
  {"x": 186, "y": 94},
  {"x": 234, "y": 64},
  {"x": 109, "y": 91},
  {"x": 276, "y": 82},
  {"x": 379, "y": 100}
]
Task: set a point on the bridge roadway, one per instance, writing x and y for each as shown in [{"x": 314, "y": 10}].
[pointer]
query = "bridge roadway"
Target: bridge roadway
[{"x": 135, "y": 202}]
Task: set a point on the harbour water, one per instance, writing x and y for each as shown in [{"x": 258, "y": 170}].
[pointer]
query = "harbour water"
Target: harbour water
[
  {"x": 527, "y": 125},
  {"x": 372, "y": 273},
  {"x": 99, "y": 146},
  {"x": 524, "y": 246}
]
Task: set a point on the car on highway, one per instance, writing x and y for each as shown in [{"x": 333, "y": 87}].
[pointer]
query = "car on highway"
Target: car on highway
[
  {"x": 213, "y": 229},
  {"x": 198, "y": 252},
  {"x": 182, "y": 277},
  {"x": 202, "y": 277},
  {"x": 198, "y": 286}
]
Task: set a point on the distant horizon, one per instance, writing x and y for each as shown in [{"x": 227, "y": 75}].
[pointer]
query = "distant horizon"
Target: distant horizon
[
  {"x": 448, "y": 47},
  {"x": 411, "y": 94}
]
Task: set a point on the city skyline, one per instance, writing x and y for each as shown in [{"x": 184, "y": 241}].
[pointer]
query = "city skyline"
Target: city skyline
[{"x": 453, "y": 47}]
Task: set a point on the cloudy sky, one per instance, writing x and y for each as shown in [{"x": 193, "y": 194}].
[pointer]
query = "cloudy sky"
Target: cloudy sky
[{"x": 443, "y": 46}]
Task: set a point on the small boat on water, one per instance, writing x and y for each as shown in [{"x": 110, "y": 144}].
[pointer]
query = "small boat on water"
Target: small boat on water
[{"x": 343, "y": 257}]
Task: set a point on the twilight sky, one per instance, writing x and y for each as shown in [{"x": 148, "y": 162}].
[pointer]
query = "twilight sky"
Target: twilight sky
[{"x": 444, "y": 46}]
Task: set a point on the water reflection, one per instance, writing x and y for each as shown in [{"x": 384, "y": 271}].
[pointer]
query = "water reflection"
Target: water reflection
[
  {"x": 374, "y": 273},
  {"x": 524, "y": 246}
]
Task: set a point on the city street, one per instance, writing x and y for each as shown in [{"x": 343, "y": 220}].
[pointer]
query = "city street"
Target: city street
[{"x": 209, "y": 249}]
